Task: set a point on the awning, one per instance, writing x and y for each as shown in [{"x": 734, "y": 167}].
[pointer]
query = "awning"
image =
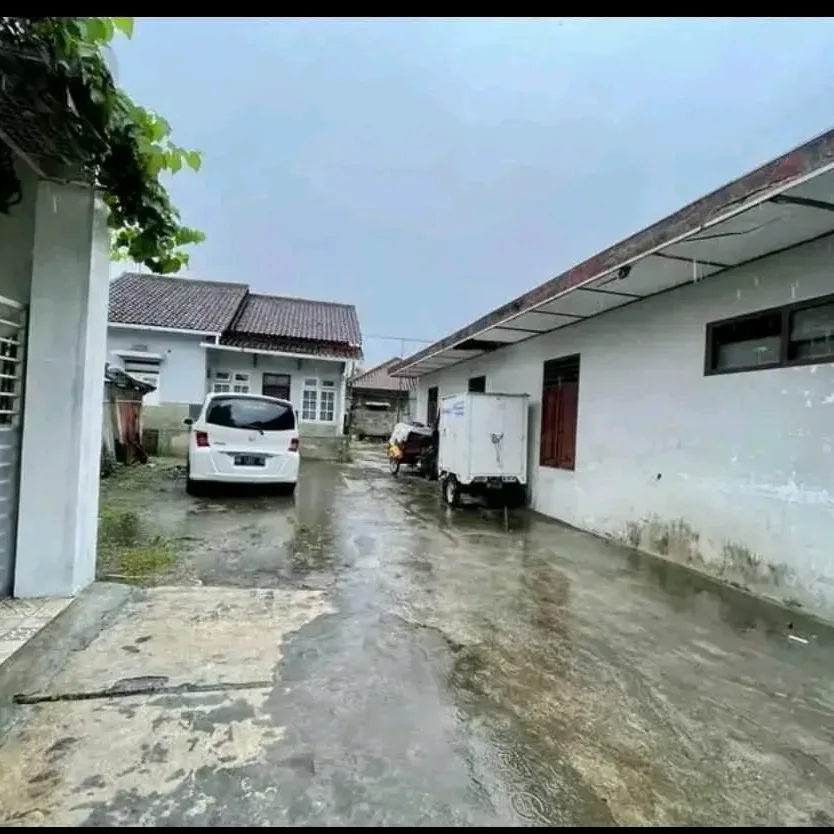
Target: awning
[{"x": 782, "y": 205}]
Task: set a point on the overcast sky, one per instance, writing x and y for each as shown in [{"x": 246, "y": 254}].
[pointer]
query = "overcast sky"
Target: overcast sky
[{"x": 430, "y": 170}]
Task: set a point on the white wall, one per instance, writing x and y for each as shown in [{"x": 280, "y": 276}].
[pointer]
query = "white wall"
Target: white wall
[
  {"x": 59, "y": 470},
  {"x": 182, "y": 372},
  {"x": 256, "y": 365},
  {"x": 740, "y": 465}
]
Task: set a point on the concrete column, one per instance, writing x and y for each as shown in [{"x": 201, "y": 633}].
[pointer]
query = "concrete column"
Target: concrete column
[
  {"x": 66, "y": 353},
  {"x": 340, "y": 415}
]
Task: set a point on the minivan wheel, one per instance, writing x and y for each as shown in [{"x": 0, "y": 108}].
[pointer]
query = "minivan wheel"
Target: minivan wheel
[{"x": 192, "y": 487}]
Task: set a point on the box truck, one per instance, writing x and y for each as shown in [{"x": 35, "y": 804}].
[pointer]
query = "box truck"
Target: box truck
[{"x": 483, "y": 447}]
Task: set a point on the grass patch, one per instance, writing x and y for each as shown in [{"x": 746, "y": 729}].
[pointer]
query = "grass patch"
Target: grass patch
[{"x": 126, "y": 551}]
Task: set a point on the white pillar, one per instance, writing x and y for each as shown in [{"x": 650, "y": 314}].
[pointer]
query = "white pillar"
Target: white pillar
[
  {"x": 342, "y": 393},
  {"x": 66, "y": 353}
]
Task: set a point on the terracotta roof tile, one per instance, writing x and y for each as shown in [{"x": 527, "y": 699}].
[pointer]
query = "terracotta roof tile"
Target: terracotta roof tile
[
  {"x": 378, "y": 378},
  {"x": 292, "y": 325},
  {"x": 311, "y": 347},
  {"x": 178, "y": 303},
  {"x": 298, "y": 318}
]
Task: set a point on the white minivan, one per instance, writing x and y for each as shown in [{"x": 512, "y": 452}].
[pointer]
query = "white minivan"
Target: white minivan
[{"x": 243, "y": 439}]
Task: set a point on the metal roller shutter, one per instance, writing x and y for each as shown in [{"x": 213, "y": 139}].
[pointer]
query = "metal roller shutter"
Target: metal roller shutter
[{"x": 12, "y": 343}]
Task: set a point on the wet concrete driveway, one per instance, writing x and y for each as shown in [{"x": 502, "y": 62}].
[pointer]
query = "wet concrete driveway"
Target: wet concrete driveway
[{"x": 404, "y": 665}]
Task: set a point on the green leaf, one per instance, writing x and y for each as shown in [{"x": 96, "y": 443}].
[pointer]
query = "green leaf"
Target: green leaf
[
  {"x": 124, "y": 25},
  {"x": 193, "y": 159},
  {"x": 174, "y": 161},
  {"x": 159, "y": 128},
  {"x": 99, "y": 29}
]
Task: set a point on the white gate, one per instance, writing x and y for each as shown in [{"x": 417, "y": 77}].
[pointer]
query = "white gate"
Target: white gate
[{"x": 12, "y": 343}]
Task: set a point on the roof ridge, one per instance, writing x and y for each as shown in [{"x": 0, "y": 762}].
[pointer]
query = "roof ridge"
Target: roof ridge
[
  {"x": 299, "y": 298},
  {"x": 156, "y": 276}
]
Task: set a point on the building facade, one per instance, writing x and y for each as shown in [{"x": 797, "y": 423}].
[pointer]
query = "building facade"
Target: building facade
[
  {"x": 683, "y": 402},
  {"x": 189, "y": 338},
  {"x": 378, "y": 401}
]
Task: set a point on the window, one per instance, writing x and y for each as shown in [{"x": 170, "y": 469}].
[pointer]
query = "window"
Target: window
[
  {"x": 327, "y": 406},
  {"x": 234, "y": 413},
  {"x": 751, "y": 342},
  {"x": 792, "y": 335},
  {"x": 308, "y": 404},
  {"x": 241, "y": 385},
  {"x": 560, "y": 410},
  {"x": 811, "y": 333},
  {"x": 222, "y": 382},
  {"x": 147, "y": 370},
  {"x": 318, "y": 402},
  {"x": 276, "y": 385},
  {"x": 477, "y": 385}
]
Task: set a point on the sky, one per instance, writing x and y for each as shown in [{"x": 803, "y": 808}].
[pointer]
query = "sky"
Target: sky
[{"x": 429, "y": 170}]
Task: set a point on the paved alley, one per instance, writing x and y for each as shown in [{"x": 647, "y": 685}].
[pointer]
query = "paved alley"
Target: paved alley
[{"x": 360, "y": 655}]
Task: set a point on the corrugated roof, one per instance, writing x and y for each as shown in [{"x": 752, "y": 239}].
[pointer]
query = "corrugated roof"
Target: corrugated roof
[
  {"x": 298, "y": 318},
  {"x": 379, "y": 378},
  {"x": 178, "y": 303}
]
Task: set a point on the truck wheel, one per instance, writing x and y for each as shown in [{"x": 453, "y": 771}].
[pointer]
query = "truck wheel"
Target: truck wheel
[
  {"x": 451, "y": 491},
  {"x": 394, "y": 465}
]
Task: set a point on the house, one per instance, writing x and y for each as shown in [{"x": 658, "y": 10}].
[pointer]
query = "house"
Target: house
[
  {"x": 682, "y": 382},
  {"x": 378, "y": 401},
  {"x": 189, "y": 337}
]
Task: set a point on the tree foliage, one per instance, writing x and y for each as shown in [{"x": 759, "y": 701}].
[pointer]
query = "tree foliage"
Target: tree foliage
[{"x": 61, "y": 64}]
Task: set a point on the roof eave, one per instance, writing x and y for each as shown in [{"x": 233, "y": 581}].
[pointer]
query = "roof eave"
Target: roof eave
[{"x": 759, "y": 185}]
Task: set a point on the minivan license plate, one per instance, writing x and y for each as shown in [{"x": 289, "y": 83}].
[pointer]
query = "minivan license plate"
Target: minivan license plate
[{"x": 248, "y": 460}]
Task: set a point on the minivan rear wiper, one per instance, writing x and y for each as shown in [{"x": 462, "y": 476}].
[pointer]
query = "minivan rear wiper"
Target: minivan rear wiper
[{"x": 258, "y": 426}]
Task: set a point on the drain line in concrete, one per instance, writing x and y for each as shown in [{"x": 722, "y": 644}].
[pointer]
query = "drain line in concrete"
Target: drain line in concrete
[{"x": 149, "y": 685}]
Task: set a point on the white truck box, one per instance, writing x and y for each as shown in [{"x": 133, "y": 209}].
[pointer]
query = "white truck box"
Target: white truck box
[{"x": 483, "y": 443}]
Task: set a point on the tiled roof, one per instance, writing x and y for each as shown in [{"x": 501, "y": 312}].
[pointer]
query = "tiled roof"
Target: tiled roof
[
  {"x": 379, "y": 379},
  {"x": 178, "y": 303},
  {"x": 310, "y": 347},
  {"x": 252, "y": 320},
  {"x": 298, "y": 318}
]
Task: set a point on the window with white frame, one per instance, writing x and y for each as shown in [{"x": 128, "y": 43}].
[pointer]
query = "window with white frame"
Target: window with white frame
[
  {"x": 309, "y": 399},
  {"x": 327, "y": 401},
  {"x": 227, "y": 382},
  {"x": 221, "y": 382},
  {"x": 318, "y": 400}
]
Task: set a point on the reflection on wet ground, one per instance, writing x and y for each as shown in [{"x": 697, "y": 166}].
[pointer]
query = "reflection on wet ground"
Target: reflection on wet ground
[{"x": 474, "y": 676}]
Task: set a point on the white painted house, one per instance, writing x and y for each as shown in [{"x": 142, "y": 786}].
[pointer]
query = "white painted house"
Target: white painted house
[
  {"x": 683, "y": 382},
  {"x": 190, "y": 337}
]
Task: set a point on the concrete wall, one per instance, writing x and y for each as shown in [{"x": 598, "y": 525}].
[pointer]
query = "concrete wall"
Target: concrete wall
[
  {"x": 59, "y": 469},
  {"x": 377, "y": 423},
  {"x": 182, "y": 380},
  {"x": 182, "y": 372},
  {"x": 733, "y": 474}
]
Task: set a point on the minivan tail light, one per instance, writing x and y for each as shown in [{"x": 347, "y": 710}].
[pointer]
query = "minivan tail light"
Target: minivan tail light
[
  {"x": 294, "y": 444},
  {"x": 201, "y": 438}
]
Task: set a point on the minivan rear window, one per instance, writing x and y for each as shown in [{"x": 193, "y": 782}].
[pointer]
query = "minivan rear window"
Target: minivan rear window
[{"x": 251, "y": 413}]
